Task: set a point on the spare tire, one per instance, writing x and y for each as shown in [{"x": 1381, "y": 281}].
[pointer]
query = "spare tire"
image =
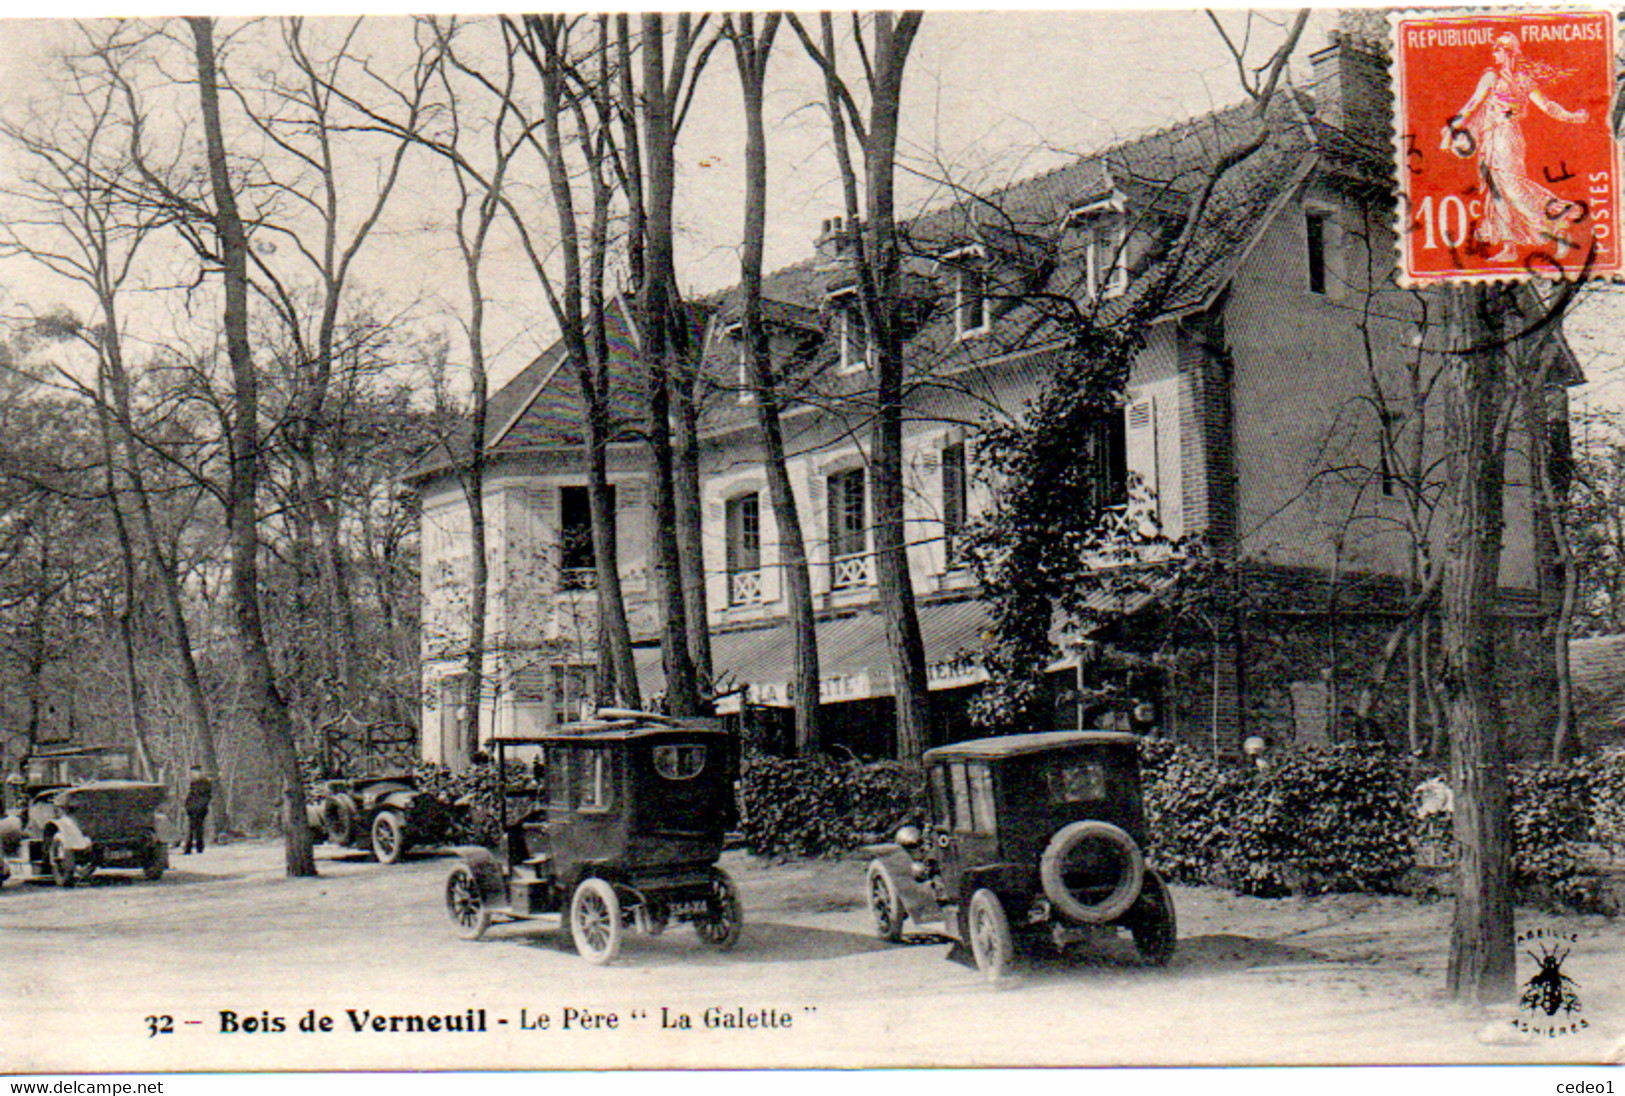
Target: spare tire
[{"x": 1052, "y": 871}]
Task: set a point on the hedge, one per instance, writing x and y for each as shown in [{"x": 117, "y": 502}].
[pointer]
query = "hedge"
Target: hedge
[
  {"x": 818, "y": 806},
  {"x": 1311, "y": 822},
  {"x": 1344, "y": 820}
]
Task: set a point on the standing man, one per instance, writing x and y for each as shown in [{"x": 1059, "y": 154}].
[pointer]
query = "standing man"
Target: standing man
[{"x": 199, "y": 790}]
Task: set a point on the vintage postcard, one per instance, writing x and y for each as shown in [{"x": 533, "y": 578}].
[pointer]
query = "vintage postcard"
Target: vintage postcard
[{"x": 760, "y": 541}]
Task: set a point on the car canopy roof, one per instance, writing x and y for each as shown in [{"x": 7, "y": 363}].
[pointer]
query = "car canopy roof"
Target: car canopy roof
[{"x": 1011, "y": 745}]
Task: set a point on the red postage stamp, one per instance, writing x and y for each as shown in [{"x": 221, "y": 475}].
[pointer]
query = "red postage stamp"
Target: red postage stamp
[{"x": 1504, "y": 137}]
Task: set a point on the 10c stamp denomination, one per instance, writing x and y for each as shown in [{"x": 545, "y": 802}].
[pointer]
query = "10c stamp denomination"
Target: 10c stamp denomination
[{"x": 1508, "y": 166}]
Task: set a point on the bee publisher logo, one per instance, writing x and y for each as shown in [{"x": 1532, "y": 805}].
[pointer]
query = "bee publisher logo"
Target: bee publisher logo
[{"x": 1549, "y": 1004}]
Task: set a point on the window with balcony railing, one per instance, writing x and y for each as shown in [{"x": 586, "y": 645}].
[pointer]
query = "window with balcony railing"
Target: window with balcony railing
[
  {"x": 744, "y": 519},
  {"x": 850, "y": 563},
  {"x": 577, "y": 562}
]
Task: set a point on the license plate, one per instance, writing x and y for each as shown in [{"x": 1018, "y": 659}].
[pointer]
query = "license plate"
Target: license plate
[{"x": 688, "y": 909}]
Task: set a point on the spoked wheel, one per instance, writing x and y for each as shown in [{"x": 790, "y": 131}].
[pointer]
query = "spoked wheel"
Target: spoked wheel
[
  {"x": 595, "y": 921},
  {"x": 157, "y": 861},
  {"x": 1155, "y": 928},
  {"x": 721, "y": 925},
  {"x": 338, "y": 819},
  {"x": 388, "y": 837},
  {"x": 884, "y": 904},
  {"x": 64, "y": 869},
  {"x": 990, "y": 939},
  {"x": 465, "y": 903}
]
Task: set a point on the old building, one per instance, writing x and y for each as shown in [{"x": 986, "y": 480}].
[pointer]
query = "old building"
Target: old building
[{"x": 1283, "y": 410}]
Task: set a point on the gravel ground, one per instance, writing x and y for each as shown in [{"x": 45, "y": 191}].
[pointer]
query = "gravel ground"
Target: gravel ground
[{"x": 1334, "y": 980}]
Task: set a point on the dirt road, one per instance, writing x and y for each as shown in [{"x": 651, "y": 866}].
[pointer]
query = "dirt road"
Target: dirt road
[{"x": 224, "y": 948}]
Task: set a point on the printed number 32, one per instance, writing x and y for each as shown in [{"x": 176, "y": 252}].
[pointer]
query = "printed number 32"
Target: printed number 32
[{"x": 160, "y": 1025}]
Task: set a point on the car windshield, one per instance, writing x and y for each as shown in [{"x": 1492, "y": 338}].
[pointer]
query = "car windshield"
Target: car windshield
[{"x": 79, "y": 768}]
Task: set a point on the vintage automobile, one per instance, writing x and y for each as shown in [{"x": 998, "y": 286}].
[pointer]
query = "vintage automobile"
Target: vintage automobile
[
  {"x": 387, "y": 813},
  {"x": 72, "y": 811},
  {"x": 626, "y": 831},
  {"x": 1032, "y": 837}
]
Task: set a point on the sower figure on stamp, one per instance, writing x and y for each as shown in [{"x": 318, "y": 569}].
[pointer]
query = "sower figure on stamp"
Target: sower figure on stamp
[
  {"x": 1518, "y": 212},
  {"x": 199, "y": 790}
]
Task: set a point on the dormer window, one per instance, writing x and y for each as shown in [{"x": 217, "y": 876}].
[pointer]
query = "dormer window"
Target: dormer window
[
  {"x": 735, "y": 332},
  {"x": 747, "y": 388},
  {"x": 1102, "y": 233},
  {"x": 970, "y": 302},
  {"x": 855, "y": 349},
  {"x": 973, "y": 313},
  {"x": 855, "y": 352}
]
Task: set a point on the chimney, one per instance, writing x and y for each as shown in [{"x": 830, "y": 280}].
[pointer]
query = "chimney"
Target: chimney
[
  {"x": 833, "y": 242},
  {"x": 1351, "y": 90}
]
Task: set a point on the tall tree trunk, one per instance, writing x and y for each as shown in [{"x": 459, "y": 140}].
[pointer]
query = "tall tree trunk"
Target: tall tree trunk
[
  {"x": 751, "y": 56},
  {"x": 127, "y": 580},
  {"x": 657, "y": 305},
  {"x": 474, "y": 494},
  {"x": 896, "y": 586},
  {"x": 242, "y": 510},
  {"x": 690, "y": 546},
  {"x": 1481, "y": 952},
  {"x": 164, "y": 564},
  {"x": 37, "y": 634},
  {"x": 1554, "y": 560},
  {"x": 878, "y": 264},
  {"x": 583, "y": 328}
]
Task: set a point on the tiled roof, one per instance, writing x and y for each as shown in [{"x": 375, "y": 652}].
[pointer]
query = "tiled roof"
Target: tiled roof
[
  {"x": 542, "y": 406},
  {"x": 1157, "y": 175}
]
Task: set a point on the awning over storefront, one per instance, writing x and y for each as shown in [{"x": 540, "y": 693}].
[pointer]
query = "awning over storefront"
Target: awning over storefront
[{"x": 853, "y": 656}]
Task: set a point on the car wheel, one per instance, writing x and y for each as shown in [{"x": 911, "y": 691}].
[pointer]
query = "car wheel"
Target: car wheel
[
  {"x": 338, "y": 818},
  {"x": 989, "y": 931},
  {"x": 724, "y": 918},
  {"x": 465, "y": 903},
  {"x": 884, "y": 904},
  {"x": 1053, "y": 870},
  {"x": 157, "y": 861},
  {"x": 595, "y": 921},
  {"x": 388, "y": 837},
  {"x": 1155, "y": 928},
  {"x": 64, "y": 870}
]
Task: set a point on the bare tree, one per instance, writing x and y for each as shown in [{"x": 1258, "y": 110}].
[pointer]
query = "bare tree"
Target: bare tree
[
  {"x": 878, "y": 266},
  {"x": 578, "y": 301},
  {"x": 752, "y": 51},
  {"x": 90, "y": 225},
  {"x": 299, "y": 120},
  {"x": 652, "y": 110},
  {"x": 1481, "y": 953},
  {"x": 264, "y": 697}
]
